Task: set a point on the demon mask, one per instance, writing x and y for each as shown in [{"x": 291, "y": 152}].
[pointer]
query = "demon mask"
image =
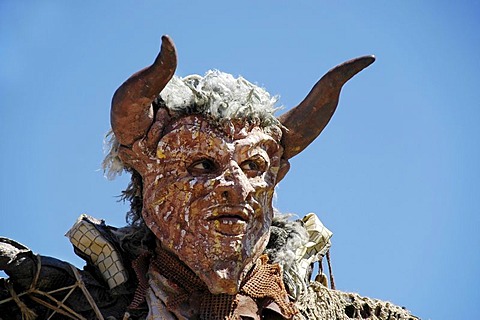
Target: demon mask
[{"x": 208, "y": 181}]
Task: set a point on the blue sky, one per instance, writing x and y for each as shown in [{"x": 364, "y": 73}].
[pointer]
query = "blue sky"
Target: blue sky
[{"x": 395, "y": 175}]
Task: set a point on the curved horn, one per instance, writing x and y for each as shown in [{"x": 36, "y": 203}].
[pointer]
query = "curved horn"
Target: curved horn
[
  {"x": 132, "y": 115},
  {"x": 307, "y": 120}
]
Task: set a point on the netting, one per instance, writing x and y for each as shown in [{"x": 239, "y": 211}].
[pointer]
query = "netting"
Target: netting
[
  {"x": 263, "y": 283},
  {"x": 266, "y": 280}
]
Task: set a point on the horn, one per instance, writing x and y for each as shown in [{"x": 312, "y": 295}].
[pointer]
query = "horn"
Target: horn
[
  {"x": 307, "y": 120},
  {"x": 131, "y": 114}
]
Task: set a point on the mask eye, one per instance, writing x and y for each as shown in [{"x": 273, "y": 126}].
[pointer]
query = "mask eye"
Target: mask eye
[
  {"x": 250, "y": 165},
  {"x": 254, "y": 167},
  {"x": 202, "y": 166}
]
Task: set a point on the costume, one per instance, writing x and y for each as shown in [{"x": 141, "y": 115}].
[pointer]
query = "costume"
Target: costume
[{"x": 204, "y": 241}]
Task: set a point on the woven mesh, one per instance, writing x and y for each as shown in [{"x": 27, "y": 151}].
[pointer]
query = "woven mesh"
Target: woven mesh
[
  {"x": 140, "y": 266},
  {"x": 264, "y": 281},
  {"x": 218, "y": 307},
  {"x": 173, "y": 269}
]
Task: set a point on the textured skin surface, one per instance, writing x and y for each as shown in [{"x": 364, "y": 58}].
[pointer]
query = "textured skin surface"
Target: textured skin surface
[{"x": 208, "y": 196}]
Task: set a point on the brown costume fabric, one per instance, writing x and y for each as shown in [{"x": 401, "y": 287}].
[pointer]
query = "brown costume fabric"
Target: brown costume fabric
[
  {"x": 263, "y": 283},
  {"x": 266, "y": 281},
  {"x": 140, "y": 266}
]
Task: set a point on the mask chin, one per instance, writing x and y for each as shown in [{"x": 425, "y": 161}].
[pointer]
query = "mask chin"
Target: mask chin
[{"x": 226, "y": 276}]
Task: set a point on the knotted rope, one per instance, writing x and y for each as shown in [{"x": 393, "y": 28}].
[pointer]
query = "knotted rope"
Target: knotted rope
[{"x": 54, "y": 304}]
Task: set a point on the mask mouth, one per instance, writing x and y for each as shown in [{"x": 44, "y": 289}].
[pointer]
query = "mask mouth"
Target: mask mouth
[
  {"x": 241, "y": 212},
  {"x": 230, "y": 220}
]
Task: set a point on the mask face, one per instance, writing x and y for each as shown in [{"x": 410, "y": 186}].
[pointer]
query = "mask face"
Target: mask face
[{"x": 208, "y": 197}]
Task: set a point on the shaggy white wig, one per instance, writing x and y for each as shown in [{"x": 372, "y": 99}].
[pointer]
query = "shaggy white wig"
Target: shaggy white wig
[{"x": 217, "y": 95}]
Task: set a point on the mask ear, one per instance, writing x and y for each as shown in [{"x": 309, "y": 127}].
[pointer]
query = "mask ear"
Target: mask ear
[
  {"x": 307, "y": 120},
  {"x": 284, "y": 167}
]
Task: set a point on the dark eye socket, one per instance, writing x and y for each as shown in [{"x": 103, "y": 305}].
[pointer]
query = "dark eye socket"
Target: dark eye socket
[
  {"x": 254, "y": 167},
  {"x": 250, "y": 165},
  {"x": 203, "y": 166}
]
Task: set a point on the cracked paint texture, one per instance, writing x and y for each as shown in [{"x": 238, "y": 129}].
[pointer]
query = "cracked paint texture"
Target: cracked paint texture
[{"x": 208, "y": 196}]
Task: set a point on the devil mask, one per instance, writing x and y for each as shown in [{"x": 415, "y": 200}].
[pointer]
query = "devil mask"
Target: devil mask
[{"x": 208, "y": 180}]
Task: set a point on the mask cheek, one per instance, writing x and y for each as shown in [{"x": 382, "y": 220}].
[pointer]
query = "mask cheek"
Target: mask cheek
[
  {"x": 263, "y": 189},
  {"x": 161, "y": 201},
  {"x": 257, "y": 238},
  {"x": 157, "y": 213}
]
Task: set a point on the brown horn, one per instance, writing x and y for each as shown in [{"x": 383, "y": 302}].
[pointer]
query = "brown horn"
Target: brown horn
[
  {"x": 132, "y": 115},
  {"x": 307, "y": 120}
]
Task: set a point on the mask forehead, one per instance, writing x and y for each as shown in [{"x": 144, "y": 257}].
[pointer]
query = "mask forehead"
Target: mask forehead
[{"x": 195, "y": 133}]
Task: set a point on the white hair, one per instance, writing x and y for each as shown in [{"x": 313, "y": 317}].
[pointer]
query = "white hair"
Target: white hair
[{"x": 220, "y": 96}]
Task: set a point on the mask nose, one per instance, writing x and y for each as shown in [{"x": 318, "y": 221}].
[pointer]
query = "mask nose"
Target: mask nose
[{"x": 234, "y": 186}]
